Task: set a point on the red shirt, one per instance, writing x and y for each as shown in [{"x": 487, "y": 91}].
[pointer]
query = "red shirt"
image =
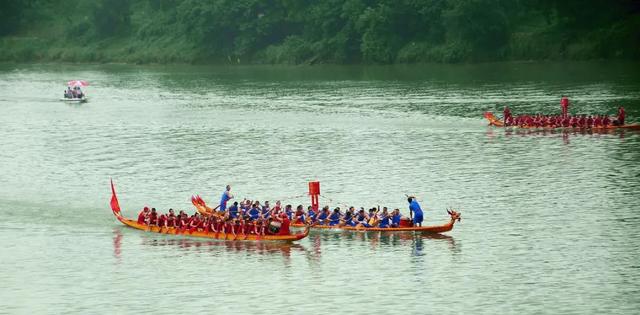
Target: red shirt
[
  {"x": 141, "y": 217},
  {"x": 284, "y": 227},
  {"x": 162, "y": 220},
  {"x": 171, "y": 220},
  {"x": 564, "y": 102},
  {"x": 153, "y": 217}
]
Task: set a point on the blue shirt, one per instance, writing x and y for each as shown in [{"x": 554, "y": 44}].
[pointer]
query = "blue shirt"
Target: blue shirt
[
  {"x": 415, "y": 207},
  {"x": 233, "y": 211},
  {"x": 395, "y": 219},
  {"x": 224, "y": 198}
]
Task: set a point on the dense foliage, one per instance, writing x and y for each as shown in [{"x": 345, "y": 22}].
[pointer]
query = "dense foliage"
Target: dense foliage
[{"x": 328, "y": 31}]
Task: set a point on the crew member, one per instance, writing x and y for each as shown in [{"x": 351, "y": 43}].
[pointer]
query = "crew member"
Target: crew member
[
  {"x": 414, "y": 207},
  {"x": 144, "y": 214},
  {"x": 506, "y": 114},
  {"x": 621, "y": 115},
  {"x": 564, "y": 104},
  {"x": 226, "y": 196}
]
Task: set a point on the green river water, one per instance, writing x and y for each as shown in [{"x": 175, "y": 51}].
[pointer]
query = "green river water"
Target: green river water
[{"x": 550, "y": 221}]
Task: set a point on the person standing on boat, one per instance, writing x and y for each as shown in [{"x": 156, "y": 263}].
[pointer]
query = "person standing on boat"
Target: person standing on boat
[
  {"x": 415, "y": 211},
  {"x": 506, "y": 116},
  {"x": 226, "y": 196},
  {"x": 621, "y": 114},
  {"x": 564, "y": 104}
]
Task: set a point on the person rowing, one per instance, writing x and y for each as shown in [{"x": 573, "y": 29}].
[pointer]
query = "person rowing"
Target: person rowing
[
  {"x": 347, "y": 219},
  {"x": 395, "y": 218},
  {"x": 254, "y": 212},
  {"x": 323, "y": 215},
  {"x": 384, "y": 219},
  {"x": 226, "y": 196},
  {"x": 288, "y": 211},
  {"x": 171, "y": 219},
  {"x": 361, "y": 219},
  {"x": 311, "y": 215},
  {"x": 415, "y": 211},
  {"x": 334, "y": 217},
  {"x": 153, "y": 217},
  {"x": 233, "y": 210},
  {"x": 373, "y": 216},
  {"x": 144, "y": 214},
  {"x": 298, "y": 216}
]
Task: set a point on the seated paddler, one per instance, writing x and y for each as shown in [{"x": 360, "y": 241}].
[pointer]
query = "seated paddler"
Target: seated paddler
[
  {"x": 384, "y": 219},
  {"x": 361, "y": 218},
  {"x": 334, "y": 217}
]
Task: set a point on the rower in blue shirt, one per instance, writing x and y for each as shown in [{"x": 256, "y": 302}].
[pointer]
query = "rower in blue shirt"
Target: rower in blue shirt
[
  {"x": 395, "y": 218},
  {"x": 334, "y": 218},
  {"x": 233, "y": 210},
  {"x": 414, "y": 207},
  {"x": 385, "y": 218}
]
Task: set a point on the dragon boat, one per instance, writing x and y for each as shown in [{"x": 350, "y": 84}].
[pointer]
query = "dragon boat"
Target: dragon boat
[
  {"x": 405, "y": 226},
  {"x": 115, "y": 207},
  {"x": 496, "y": 122}
]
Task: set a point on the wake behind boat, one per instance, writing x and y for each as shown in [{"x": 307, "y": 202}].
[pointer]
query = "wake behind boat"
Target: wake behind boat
[{"x": 203, "y": 228}]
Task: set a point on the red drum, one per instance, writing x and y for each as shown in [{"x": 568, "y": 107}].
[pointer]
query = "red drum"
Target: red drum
[{"x": 274, "y": 227}]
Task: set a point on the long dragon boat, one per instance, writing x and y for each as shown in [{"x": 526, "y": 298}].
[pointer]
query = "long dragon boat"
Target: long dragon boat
[
  {"x": 405, "y": 226},
  {"x": 495, "y": 121},
  {"x": 115, "y": 207}
]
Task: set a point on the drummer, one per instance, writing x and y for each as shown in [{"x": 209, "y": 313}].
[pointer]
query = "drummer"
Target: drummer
[{"x": 226, "y": 196}]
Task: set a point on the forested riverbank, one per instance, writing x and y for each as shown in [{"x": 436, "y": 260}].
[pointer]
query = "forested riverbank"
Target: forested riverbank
[{"x": 310, "y": 32}]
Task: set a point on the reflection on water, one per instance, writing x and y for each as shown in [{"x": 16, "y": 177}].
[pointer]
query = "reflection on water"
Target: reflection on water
[
  {"x": 565, "y": 133},
  {"x": 187, "y": 245}
]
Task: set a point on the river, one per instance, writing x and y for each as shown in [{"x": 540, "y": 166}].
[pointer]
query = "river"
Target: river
[{"x": 550, "y": 220}]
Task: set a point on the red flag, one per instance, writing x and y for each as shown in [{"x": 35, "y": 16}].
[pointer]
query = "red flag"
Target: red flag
[{"x": 115, "y": 206}]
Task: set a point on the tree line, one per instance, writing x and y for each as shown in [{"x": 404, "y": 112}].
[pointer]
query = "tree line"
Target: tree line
[{"x": 336, "y": 31}]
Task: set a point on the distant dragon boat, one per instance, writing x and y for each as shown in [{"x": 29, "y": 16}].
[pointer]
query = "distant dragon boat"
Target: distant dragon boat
[
  {"x": 495, "y": 121},
  {"x": 115, "y": 207}
]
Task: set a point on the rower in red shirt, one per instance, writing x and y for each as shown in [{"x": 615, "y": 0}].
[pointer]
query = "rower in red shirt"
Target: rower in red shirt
[
  {"x": 589, "y": 122},
  {"x": 142, "y": 217},
  {"x": 153, "y": 217},
  {"x": 564, "y": 105},
  {"x": 597, "y": 121},
  {"x": 606, "y": 121},
  {"x": 171, "y": 219},
  {"x": 162, "y": 221}
]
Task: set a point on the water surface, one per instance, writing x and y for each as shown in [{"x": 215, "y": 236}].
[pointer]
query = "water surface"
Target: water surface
[{"x": 550, "y": 223}]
